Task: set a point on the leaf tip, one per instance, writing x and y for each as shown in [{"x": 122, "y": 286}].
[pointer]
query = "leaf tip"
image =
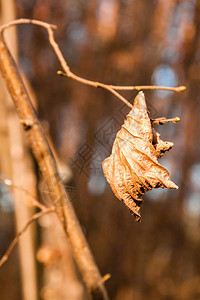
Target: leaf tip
[
  {"x": 172, "y": 185},
  {"x": 140, "y": 100}
]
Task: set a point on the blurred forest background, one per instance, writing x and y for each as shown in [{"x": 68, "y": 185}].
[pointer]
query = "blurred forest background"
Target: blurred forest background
[{"x": 121, "y": 42}]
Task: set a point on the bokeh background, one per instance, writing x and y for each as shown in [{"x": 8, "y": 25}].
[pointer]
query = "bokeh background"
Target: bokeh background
[{"x": 121, "y": 42}]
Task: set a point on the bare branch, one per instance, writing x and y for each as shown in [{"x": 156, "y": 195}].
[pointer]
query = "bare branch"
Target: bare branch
[
  {"x": 47, "y": 165},
  {"x": 69, "y": 74},
  {"x": 16, "y": 239}
]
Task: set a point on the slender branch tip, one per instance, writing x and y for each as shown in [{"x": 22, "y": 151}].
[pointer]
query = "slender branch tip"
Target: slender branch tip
[
  {"x": 60, "y": 73},
  {"x": 177, "y": 119},
  {"x": 106, "y": 277},
  {"x": 181, "y": 88}
]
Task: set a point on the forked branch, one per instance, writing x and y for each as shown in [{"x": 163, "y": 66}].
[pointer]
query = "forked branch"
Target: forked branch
[{"x": 68, "y": 73}]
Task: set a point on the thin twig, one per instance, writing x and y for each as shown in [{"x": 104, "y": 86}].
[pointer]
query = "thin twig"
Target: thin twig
[
  {"x": 123, "y": 87},
  {"x": 34, "y": 201},
  {"x": 17, "y": 237},
  {"x": 69, "y": 74},
  {"x": 162, "y": 121},
  {"x": 150, "y": 87}
]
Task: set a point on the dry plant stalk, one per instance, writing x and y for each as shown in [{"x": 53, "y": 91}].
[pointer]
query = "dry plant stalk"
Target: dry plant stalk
[
  {"x": 48, "y": 169},
  {"x": 133, "y": 168}
]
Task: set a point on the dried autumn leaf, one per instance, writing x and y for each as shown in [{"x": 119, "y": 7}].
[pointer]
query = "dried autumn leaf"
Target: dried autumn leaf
[{"x": 133, "y": 168}]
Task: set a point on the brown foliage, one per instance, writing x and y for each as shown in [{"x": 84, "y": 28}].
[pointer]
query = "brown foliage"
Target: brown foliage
[{"x": 133, "y": 168}]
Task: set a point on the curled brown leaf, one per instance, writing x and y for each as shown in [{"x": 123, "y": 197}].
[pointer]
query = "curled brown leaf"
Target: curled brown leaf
[{"x": 133, "y": 168}]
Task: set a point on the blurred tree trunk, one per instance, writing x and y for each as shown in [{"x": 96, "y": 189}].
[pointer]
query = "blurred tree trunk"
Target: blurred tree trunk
[{"x": 17, "y": 164}]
